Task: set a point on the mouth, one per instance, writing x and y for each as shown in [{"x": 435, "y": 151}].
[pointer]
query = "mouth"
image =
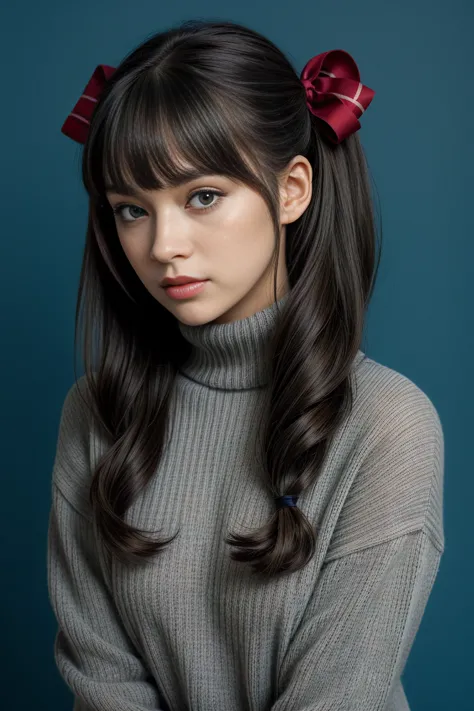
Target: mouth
[
  {"x": 187, "y": 290},
  {"x": 179, "y": 281}
]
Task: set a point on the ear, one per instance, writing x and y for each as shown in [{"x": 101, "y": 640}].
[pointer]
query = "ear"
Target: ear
[{"x": 296, "y": 188}]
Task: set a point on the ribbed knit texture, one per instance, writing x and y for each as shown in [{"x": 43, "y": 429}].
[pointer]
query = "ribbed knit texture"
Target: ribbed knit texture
[{"x": 196, "y": 631}]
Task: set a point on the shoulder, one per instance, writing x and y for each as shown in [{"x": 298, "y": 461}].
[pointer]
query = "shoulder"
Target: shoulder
[
  {"x": 74, "y": 400},
  {"x": 389, "y": 404},
  {"x": 72, "y": 462},
  {"x": 396, "y": 439}
]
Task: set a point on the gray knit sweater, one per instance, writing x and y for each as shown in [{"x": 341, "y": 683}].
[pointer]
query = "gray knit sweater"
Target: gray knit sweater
[{"x": 195, "y": 631}]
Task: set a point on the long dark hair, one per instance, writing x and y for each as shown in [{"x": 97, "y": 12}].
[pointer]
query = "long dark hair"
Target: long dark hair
[{"x": 221, "y": 98}]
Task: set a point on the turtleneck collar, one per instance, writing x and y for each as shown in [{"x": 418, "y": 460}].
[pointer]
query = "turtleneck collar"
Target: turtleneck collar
[{"x": 231, "y": 356}]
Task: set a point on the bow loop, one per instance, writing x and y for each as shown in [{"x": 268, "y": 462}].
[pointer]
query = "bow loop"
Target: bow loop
[
  {"x": 335, "y": 94},
  {"x": 76, "y": 125}
]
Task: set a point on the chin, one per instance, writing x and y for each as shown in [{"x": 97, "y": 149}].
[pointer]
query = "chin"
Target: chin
[{"x": 196, "y": 320}]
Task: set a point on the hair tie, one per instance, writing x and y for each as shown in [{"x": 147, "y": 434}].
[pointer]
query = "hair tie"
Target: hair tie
[
  {"x": 283, "y": 501},
  {"x": 335, "y": 94}
]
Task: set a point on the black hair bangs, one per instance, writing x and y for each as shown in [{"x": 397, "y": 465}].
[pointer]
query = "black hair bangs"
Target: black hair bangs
[{"x": 162, "y": 132}]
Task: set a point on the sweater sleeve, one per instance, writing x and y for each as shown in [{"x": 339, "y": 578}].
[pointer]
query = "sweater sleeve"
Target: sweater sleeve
[
  {"x": 354, "y": 639},
  {"x": 93, "y": 653}
]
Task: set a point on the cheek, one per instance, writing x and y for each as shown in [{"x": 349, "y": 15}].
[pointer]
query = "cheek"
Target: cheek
[
  {"x": 245, "y": 234},
  {"x": 132, "y": 252}
]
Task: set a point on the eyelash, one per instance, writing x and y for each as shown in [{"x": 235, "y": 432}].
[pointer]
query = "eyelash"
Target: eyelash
[{"x": 118, "y": 208}]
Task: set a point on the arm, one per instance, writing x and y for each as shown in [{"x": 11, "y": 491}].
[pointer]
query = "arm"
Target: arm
[
  {"x": 93, "y": 653},
  {"x": 351, "y": 644},
  {"x": 353, "y": 641}
]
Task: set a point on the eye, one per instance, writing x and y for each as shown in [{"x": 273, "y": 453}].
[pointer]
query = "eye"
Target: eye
[
  {"x": 118, "y": 209},
  {"x": 206, "y": 192}
]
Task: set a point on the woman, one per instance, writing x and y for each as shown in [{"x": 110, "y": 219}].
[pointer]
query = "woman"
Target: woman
[{"x": 247, "y": 510}]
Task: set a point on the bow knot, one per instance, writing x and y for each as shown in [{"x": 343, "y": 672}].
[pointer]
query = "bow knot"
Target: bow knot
[{"x": 335, "y": 94}]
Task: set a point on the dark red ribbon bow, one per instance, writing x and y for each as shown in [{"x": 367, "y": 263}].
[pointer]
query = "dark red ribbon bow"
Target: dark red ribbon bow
[
  {"x": 335, "y": 94},
  {"x": 76, "y": 126}
]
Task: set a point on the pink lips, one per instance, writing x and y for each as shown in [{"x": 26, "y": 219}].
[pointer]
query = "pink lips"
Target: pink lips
[{"x": 185, "y": 291}]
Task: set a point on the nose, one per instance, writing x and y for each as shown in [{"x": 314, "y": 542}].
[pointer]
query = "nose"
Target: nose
[{"x": 169, "y": 238}]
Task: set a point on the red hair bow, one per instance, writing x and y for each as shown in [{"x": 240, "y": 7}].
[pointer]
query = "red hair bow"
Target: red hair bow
[
  {"x": 335, "y": 94},
  {"x": 76, "y": 126}
]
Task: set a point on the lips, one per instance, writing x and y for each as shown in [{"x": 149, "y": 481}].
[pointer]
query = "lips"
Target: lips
[
  {"x": 186, "y": 291},
  {"x": 179, "y": 281}
]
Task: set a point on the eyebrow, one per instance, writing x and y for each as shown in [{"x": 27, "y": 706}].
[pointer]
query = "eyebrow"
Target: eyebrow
[{"x": 129, "y": 190}]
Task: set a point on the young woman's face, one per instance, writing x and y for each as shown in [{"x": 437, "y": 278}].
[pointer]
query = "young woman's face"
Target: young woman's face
[{"x": 211, "y": 228}]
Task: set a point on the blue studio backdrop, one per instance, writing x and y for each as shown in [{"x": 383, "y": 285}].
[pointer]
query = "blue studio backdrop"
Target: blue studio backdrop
[{"x": 417, "y": 135}]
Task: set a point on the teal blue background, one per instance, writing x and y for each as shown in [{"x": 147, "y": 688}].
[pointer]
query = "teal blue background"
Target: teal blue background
[{"x": 417, "y": 134}]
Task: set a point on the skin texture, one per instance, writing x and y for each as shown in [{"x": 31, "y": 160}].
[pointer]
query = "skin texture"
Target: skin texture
[{"x": 169, "y": 232}]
